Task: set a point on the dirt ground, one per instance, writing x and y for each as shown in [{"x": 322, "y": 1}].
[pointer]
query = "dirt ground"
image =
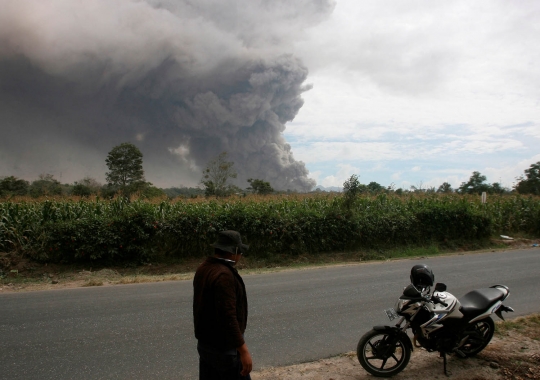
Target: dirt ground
[{"x": 512, "y": 355}]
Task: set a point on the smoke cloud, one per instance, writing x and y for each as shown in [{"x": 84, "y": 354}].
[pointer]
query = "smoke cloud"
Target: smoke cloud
[{"x": 183, "y": 80}]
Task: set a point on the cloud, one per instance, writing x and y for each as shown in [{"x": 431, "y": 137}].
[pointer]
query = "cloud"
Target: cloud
[
  {"x": 344, "y": 172},
  {"x": 182, "y": 80},
  {"x": 507, "y": 175},
  {"x": 422, "y": 48}
]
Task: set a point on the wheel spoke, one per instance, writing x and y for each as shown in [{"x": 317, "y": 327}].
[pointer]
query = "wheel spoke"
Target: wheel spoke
[
  {"x": 383, "y": 354},
  {"x": 479, "y": 336}
]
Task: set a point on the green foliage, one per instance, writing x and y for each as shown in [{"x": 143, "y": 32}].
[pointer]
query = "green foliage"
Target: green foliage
[
  {"x": 445, "y": 188},
  {"x": 117, "y": 230},
  {"x": 184, "y": 192},
  {"x": 351, "y": 189},
  {"x": 81, "y": 190},
  {"x": 513, "y": 214},
  {"x": 374, "y": 187},
  {"x": 46, "y": 185},
  {"x": 127, "y": 236},
  {"x": 443, "y": 221},
  {"x": 126, "y": 173},
  {"x": 530, "y": 184},
  {"x": 86, "y": 187},
  {"x": 475, "y": 185},
  {"x": 216, "y": 176},
  {"x": 11, "y": 186},
  {"x": 258, "y": 186},
  {"x": 496, "y": 188},
  {"x": 150, "y": 192}
]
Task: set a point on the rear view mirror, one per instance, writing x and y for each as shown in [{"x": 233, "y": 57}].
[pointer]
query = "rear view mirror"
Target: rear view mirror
[{"x": 440, "y": 287}]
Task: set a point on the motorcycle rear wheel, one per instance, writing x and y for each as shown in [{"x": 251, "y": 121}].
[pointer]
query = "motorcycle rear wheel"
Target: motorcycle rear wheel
[
  {"x": 383, "y": 354},
  {"x": 480, "y": 334}
]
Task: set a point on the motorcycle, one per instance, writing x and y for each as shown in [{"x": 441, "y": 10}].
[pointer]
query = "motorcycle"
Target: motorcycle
[{"x": 438, "y": 321}]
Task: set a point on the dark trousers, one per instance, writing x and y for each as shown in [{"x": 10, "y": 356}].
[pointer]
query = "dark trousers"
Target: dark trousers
[{"x": 215, "y": 365}]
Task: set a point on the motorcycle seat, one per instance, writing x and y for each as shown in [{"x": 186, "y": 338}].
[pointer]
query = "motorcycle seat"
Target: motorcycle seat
[{"x": 478, "y": 301}]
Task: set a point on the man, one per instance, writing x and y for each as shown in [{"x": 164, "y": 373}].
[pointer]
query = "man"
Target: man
[{"x": 220, "y": 312}]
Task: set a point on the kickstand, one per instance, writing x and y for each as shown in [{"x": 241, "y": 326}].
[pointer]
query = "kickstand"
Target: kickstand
[{"x": 443, "y": 355}]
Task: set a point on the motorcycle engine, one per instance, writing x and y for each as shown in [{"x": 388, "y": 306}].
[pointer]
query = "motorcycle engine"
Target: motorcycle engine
[
  {"x": 422, "y": 317},
  {"x": 444, "y": 339}
]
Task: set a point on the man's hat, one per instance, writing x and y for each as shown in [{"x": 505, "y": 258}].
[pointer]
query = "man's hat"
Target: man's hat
[{"x": 228, "y": 241}]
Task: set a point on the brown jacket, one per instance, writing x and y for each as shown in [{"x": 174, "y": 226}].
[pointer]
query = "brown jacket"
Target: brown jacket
[{"x": 219, "y": 305}]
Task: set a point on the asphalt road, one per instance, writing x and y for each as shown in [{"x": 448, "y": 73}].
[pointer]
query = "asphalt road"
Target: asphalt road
[{"x": 144, "y": 331}]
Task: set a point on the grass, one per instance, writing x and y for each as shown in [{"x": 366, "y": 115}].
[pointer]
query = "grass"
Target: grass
[
  {"x": 34, "y": 276},
  {"x": 391, "y": 253},
  {"x": 136, "y": 279},
  {"x": 93, "y": 282},
  {"x": 529, "y": 324}
]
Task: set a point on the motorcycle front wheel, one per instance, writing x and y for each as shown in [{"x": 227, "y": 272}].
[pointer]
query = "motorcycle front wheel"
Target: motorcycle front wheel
[
  {"x": 383, "y": 354},
  {"x": 480, "y": 334}
]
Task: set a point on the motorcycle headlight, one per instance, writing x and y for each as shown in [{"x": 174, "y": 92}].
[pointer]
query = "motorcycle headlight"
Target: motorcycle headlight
[{"x": 400, "y": 305}]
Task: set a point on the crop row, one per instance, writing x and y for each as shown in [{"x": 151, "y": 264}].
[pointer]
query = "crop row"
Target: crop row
[{"x": 68, "y": 231}]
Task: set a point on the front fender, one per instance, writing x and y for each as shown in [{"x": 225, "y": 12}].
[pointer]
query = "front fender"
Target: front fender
[{"x": 392, "y": 330}]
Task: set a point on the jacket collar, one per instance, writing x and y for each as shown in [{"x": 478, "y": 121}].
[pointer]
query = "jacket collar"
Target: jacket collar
[{"x": 227, "y": 262}]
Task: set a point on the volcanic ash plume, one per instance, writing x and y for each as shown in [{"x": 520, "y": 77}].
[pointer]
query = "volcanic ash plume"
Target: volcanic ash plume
[{"x": 182, "y": 81}]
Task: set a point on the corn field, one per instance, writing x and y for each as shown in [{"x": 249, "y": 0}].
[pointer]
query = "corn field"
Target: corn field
[{"x": 106, "y": 231}]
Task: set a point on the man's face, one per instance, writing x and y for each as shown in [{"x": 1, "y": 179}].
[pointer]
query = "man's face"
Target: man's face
[{"x": 236, "y": 256}]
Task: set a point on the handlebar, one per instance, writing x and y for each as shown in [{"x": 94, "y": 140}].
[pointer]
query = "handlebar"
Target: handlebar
[{"x": 436, "y": 299}]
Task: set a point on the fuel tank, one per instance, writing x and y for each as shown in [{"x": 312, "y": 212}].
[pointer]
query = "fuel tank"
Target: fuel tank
[{"x": 452, "y": 305}]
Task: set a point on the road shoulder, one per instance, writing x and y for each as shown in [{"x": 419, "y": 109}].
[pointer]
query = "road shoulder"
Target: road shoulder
[{"x": 514, "y": 353}]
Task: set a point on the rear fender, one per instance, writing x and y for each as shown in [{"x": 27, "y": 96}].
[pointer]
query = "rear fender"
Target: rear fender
[
  {"x": 502, "y": 308},
  {"x": 391, "y": 330},
  {"x": 488, "y": 312},
  {"x": 504, "y": 289}
]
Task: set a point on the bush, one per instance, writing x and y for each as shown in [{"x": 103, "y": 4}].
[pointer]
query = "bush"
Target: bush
[
  {"x": 119, "y": 230},
  {"x": 120, "y": 238}
]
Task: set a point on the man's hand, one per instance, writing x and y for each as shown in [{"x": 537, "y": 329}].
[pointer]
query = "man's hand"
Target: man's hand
[{"x": 245, "y": 359}]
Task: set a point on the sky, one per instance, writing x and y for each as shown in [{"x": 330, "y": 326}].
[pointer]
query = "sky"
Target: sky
[
  {"x": 298, "y": 92},
  {"x": 419, "y": 93}
]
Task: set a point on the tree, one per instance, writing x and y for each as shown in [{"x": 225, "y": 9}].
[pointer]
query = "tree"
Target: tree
[
  {"x": 351, "y": 189},
  {"x": 352, "y": 186},
  {"x": 125, "y": 168},
  {"x": 258, "y": 186},
  {"x": 445, "y": 188},
  {"x": 374, "y": 187},
  {"x": 81, "y": 190},
  {"x": 475, "y": 185},
  {"x": 216, "y": 176},
  {"x": 86, "y": 187},
  {"x": 46, "y": 185},
  {"x": 150, "y": 191},
  {"x": 185, "y": 192},
  {"x": 13, "y": 186},
  {"x": 530, "y": 184},
  {"x": 497, "y": 188}
]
